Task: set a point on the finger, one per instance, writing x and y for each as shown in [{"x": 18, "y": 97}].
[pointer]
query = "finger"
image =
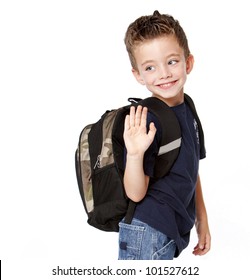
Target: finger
[
  {"x": 127, "y": 123},
  {"x": 138, "y": 115},
  {"x": 202, "y": 248},
  {"x": 144, "y": 116},
  {"x": 197, "y": 251},
  {"x": 200, "y": 252},
  {"x": 132, "y": 116}
]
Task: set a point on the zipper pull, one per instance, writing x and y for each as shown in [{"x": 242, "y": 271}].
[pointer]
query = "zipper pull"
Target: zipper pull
[{"x": 98, "y": 162}]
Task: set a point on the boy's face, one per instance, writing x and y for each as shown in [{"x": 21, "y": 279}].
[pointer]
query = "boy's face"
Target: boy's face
[{"x": 163, "y": 68}]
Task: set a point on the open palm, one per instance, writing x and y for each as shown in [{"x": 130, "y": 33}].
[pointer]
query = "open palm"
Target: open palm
[{"x": 137, "y": 139}]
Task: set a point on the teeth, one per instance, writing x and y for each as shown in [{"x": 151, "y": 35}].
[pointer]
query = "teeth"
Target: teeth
[{"x": 167, "y": 85}]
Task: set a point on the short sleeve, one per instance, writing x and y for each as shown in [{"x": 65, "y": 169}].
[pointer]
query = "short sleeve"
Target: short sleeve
[{"x": 202, "y": 152}]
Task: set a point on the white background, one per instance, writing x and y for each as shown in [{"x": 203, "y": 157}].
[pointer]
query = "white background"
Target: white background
[{"x": 63, "y": 63}]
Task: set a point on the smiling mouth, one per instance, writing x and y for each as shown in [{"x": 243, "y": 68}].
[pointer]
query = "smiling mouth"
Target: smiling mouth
[{"x": 166, "y": 85}]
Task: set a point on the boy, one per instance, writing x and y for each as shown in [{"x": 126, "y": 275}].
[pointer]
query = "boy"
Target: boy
[{"x": 167, "y": 208}]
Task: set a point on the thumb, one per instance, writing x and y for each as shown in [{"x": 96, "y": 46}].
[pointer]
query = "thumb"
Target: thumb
[
  {"x": 201, "y": 245},
  {"x": 152, "y": 130}
]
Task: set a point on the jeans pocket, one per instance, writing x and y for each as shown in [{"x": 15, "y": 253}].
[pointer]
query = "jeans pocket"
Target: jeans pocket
[
  {"x": 167, "y": 252},
  {"x": 130, "y": 241}
]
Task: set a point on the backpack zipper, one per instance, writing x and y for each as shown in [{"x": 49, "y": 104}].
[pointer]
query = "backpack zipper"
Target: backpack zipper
[{"x": 98, "y": 162}]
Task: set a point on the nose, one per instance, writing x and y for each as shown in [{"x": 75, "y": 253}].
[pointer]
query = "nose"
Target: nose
[{"x": 165, "y": 72}]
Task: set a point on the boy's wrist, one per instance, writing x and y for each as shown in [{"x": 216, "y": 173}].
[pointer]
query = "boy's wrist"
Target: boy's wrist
[{"x": 135, "y": 156}]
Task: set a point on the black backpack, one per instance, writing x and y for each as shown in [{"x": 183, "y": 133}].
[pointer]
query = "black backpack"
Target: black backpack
[{"x": 99, "y": 160}]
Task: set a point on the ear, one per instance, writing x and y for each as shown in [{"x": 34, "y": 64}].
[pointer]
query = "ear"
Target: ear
[
  {"x": 189, "y": 63},
  {"x": 138, "y": 76}
]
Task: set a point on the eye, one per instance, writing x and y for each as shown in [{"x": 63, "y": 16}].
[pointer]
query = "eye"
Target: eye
[
  {"x": 172, "y": 62},
  {"x": 150, "y": 68}
]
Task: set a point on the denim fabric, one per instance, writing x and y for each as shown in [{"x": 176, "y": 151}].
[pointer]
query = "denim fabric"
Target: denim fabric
[{"x": 138, "y": 241}]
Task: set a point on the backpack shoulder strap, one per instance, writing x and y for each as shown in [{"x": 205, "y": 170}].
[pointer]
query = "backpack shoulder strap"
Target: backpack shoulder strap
[
  {"x": 169, "y": 144},
  {"x": 171, "y": 134},
  {"x": 191, "y": 105}
]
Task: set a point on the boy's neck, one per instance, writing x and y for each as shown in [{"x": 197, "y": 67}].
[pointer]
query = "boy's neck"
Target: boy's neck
[{"x": 172, "y": 102}]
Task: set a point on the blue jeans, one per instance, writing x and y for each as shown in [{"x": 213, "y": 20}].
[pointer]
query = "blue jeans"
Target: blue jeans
[{"x": 138, "y": 241}]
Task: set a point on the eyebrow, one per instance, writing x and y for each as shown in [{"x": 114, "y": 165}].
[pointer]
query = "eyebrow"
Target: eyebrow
[{"x": 147, "y": 62}]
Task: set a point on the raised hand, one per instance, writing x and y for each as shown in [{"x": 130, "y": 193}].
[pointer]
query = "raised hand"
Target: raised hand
[{"x": 136, "y": 137}]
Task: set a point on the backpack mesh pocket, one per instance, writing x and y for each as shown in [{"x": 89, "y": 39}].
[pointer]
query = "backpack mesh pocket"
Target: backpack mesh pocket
[{"x": 110, "y": 203}]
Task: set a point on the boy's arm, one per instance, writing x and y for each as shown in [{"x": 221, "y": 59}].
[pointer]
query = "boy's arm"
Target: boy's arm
[
  {"x": 137, "y": 141},
  {"x": 201, "y": 223}
]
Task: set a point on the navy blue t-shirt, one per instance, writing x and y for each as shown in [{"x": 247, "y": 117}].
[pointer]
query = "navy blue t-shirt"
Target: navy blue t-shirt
[{"x": 169, "y": 205}]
